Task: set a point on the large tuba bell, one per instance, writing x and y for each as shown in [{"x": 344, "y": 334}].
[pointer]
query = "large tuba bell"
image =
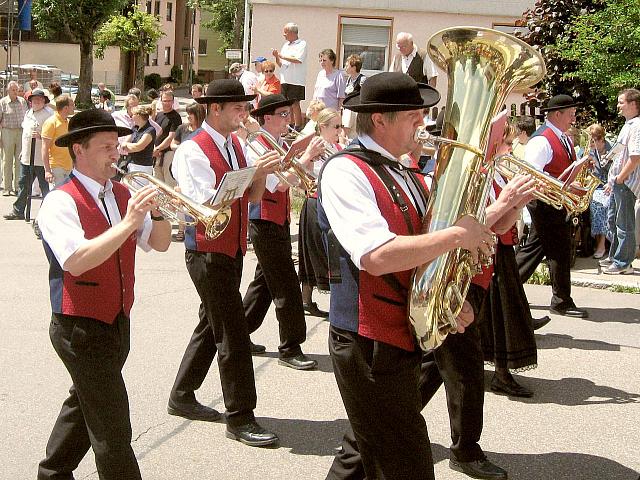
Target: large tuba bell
[
  {"x": 178, "y": 207},
  {"x": 483, "y": 66}
]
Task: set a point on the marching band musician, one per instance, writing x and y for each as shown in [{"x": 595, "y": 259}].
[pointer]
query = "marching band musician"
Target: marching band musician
[
  {"x": 313, "y": 269},
  {"x": 215, "y": 267},
  {"x": 550, "y": 150},
  {"x": 374, "y": 236},
  {"x": 275, "y": 278},
  {"x": 90, "y": 228}
]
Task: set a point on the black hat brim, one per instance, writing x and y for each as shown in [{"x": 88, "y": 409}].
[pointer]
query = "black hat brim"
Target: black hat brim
[
  {"x": 268, "y": 109},
  {"x": 207, "y": 99},
  {"x": 430, "y": 97},
  {"x": 46, "y": 99},
  {"x": 68, "y": 138},
  {"x": 560, "y": 107}
]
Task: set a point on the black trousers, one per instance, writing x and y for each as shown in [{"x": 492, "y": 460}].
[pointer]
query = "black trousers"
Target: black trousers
[
  {"x": 275, "y": 281},
  {"x": 458, "y": 363},
  {"x": 379, "y": 388},
  {"x": 549, "y": 236},
  {"x": 222, "y": 329},
  {"x": 96, "y": 413}
]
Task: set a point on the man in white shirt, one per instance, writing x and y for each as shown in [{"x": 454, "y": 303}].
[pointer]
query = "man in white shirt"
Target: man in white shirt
[
  {"x": 623, "y": 186},
  {"x": 215, "y": 267},
  {"x": 246, "y": 77},
  {"x": 293, "y": 69},
  {"x": 371, "y": 207},
  {"x": 550, "y": 150},
  {"x": 90, "y": 228},
  {"x": 413, "y": 61}
]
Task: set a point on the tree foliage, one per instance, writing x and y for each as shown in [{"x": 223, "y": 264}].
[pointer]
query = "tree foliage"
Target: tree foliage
[
  {"x": 604, "y": 46},
  {"x": 136, "y": 32},
  {"x": 549, "y": 22},
  {"x": 79, "y": 20},
  {"x": 228, "y": 20}
]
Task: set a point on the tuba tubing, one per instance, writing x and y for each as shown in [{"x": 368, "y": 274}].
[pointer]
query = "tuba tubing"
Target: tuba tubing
[{"x": 483, "y": 67}]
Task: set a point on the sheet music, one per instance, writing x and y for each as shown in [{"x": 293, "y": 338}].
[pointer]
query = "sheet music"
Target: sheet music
[{"x": 233, "y": 185}]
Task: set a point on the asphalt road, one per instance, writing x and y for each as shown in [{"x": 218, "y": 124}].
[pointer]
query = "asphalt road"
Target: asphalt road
[{"x": 582, "y": 422}]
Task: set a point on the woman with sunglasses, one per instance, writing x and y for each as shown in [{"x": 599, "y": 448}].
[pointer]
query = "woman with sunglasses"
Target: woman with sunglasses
[
  {"x": 269, "y": 85},
  {"x": 314, "y": 265}
]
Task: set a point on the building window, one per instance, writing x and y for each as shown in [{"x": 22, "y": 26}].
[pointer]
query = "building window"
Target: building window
[
  {"x": 156, "y": 10},
  {"x": 146, "y": 60},
  {"x": 368, "y": 37},
  {"x": 167, "y": 55},
  {"x": 169, "y": 12},
  {"x": 149, "y": 7},
  {"x": 186, "y": 23},
  {"x": 202, "y": 46},
  {"x": 154, "y": 58}
]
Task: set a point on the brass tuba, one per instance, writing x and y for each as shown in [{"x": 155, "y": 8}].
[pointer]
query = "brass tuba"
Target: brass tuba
[
  {"x": 483, "y": 66},
  {"x": 178, "y": 207}
]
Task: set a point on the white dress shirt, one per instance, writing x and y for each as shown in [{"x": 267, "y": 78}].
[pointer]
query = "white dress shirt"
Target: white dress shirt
[
  {"x": 294, "y": 73},
  {"x": 428, "y": 68},
  {"x": 60, "y": 224},
  {"x": 349, "y": 202},
  {"x": 192, "y": 169},
  {"x": 538, "y": 151}
]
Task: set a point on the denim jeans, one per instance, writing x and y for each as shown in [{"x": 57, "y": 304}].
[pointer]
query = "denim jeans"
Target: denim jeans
[
  {"x": 20, "y": 204},
  {"x": 621, "y": 219}
]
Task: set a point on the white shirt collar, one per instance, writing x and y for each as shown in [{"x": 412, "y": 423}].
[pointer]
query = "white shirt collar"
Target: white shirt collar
[
  {"x": 217, "y": 136},
  {"x": 555, "y": 129},
  {"x": 413, "y": 52},
  {"x": 93, "y": 187},
  {"x": 369, "y": 143}
]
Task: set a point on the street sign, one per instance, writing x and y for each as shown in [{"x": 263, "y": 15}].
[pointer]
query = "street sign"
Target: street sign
[{"x": 233, "y": 54}]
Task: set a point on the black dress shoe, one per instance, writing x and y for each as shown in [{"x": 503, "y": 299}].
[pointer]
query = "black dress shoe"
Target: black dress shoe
[
  {"x": 257, "y": 349},
  {"x": 538, "y": 323},
  {"x": 193, "y": 411},
  {"x": 571, "y": 311},
  {"x": 313, "y": 310},
  {"x": 478, "y": 469},
  {"x": 251, "y": 434},
  {"x": 299, "y": 362},
  {"x": 512, "y": 389},
  {"x": 13, "y": 216}
]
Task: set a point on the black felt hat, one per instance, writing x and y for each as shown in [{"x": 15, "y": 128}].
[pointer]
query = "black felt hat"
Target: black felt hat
[
  {"x": 391, "y": 92},
  {"x": 88, "y": 122},
  {"x": 38, "y": 93},
  {"x": 226, "y": 90},
  {"x": 560, "y": 102},
  {"x": 270, "y": 104}
]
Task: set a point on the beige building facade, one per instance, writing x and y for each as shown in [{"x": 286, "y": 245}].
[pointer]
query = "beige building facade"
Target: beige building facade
[
  {"x": 178, "y": 46},
  {"x": 369, "y": 27}
]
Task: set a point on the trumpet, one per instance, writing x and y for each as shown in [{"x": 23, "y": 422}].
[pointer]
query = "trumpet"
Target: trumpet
[
  {"x": 262, "y": 142},
  {"x": 177, "y": 207}
]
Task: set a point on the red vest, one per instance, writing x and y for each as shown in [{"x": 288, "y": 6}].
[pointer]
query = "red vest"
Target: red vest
[
  {"x": 106, "y": 290},
  {"x": 561, "y": 158},
  {"x": 382, "y": 312},
  {"x": 234, "y": 236},
  {"x": 274, "y": 207}
]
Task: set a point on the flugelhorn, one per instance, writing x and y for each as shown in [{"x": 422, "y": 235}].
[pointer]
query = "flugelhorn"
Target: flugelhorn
[
  {"x": 262, "y": 142},
  {"x": 483, "y": 66},
  {"x": 179, "y": 208}
]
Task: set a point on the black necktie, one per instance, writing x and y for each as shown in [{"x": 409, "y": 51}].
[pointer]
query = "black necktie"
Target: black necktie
[
  {"x": 104, "y": 204},
  {"x": 567, "y": 145},
  {"x": 226, "y": 147}
]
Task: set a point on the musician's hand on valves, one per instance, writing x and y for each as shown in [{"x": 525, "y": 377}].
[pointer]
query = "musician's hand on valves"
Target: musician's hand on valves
[
  {"x": 267, "y": 163},
  {"x": 465, "y": 317},
  {"x": 519, "y": 191},
  {"x": 475, "y": 237},
  {"x": 313, "y": 151},
  {"x": 140, "y": 203}
]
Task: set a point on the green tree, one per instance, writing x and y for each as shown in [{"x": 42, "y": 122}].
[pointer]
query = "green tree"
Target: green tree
[
  {"x": 137, "y": 32},
  {"x": 228, "y": 20},
  {"x": 79, "y": 20},
  {"x": 547, "y": 23},
  {"x": 604, "y": 46}
]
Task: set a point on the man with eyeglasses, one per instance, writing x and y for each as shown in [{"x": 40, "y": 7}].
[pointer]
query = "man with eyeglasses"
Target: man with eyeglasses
[
  {"x": 413, "y": 61},
  {"x": 275, "y": 279}
]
